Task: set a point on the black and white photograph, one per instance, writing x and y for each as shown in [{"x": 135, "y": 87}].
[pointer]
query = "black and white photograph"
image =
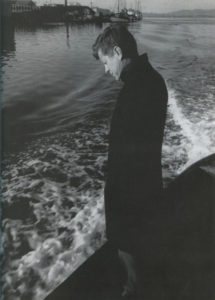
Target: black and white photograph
[{"x": 107, "y": 149}]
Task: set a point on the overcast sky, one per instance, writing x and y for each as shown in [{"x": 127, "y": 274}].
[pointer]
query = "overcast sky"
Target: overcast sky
[{"x": 146, "y": 5}]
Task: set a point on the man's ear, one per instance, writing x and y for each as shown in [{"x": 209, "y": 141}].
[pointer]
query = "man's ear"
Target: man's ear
[{"x": 118, "y": 51}]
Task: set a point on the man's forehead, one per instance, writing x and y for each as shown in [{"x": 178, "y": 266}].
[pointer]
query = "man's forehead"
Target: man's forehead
[
  {"x": 100, "y": 51},
  {"x": 101, "y": 55}
]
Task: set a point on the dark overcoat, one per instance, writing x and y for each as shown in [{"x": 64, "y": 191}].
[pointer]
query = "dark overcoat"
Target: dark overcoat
[{"x": 134, "y": 177}]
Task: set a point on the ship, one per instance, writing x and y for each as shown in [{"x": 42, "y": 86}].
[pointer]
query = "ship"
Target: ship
[
  {"x": 120, "y": 16},
  {"x": 190, "y": 268}
]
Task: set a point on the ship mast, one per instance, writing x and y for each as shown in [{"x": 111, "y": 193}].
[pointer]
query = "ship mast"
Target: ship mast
[{"x": 137, "y": 5}]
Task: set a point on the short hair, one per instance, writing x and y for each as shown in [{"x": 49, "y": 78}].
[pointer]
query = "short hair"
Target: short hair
[{"x": 116, "y": 35}]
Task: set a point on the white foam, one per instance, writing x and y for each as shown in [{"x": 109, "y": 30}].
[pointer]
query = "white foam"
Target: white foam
[{"x": 198, "y": 134}]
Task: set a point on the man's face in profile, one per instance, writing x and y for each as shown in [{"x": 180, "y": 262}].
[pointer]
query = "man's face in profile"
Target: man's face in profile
[{"x": 112, "y": 63}]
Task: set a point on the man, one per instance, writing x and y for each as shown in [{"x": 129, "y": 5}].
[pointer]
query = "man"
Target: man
[{"x": 134, "y": 180}]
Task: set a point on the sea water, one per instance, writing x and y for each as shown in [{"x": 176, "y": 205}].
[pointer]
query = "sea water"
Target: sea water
[{"x": 57, "y": 105}]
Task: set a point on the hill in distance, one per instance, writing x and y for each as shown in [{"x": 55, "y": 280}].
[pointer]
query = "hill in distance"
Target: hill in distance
[{"x": 194, "y": 13}]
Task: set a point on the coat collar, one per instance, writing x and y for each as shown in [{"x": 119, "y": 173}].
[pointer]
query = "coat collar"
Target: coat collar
[{"x": 134, "y": 66}]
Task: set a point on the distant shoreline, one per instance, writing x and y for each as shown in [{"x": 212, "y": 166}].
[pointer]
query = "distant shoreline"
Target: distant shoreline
[
  {"x": 172, "y": 16},
  {"x": 195, "y": 13}
]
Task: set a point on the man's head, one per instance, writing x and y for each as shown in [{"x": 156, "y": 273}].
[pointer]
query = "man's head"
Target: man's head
[{"x": 113, "y": 47}]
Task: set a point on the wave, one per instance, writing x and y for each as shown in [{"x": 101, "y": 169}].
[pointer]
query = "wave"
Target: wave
[{"x": 194, "y": 140}]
